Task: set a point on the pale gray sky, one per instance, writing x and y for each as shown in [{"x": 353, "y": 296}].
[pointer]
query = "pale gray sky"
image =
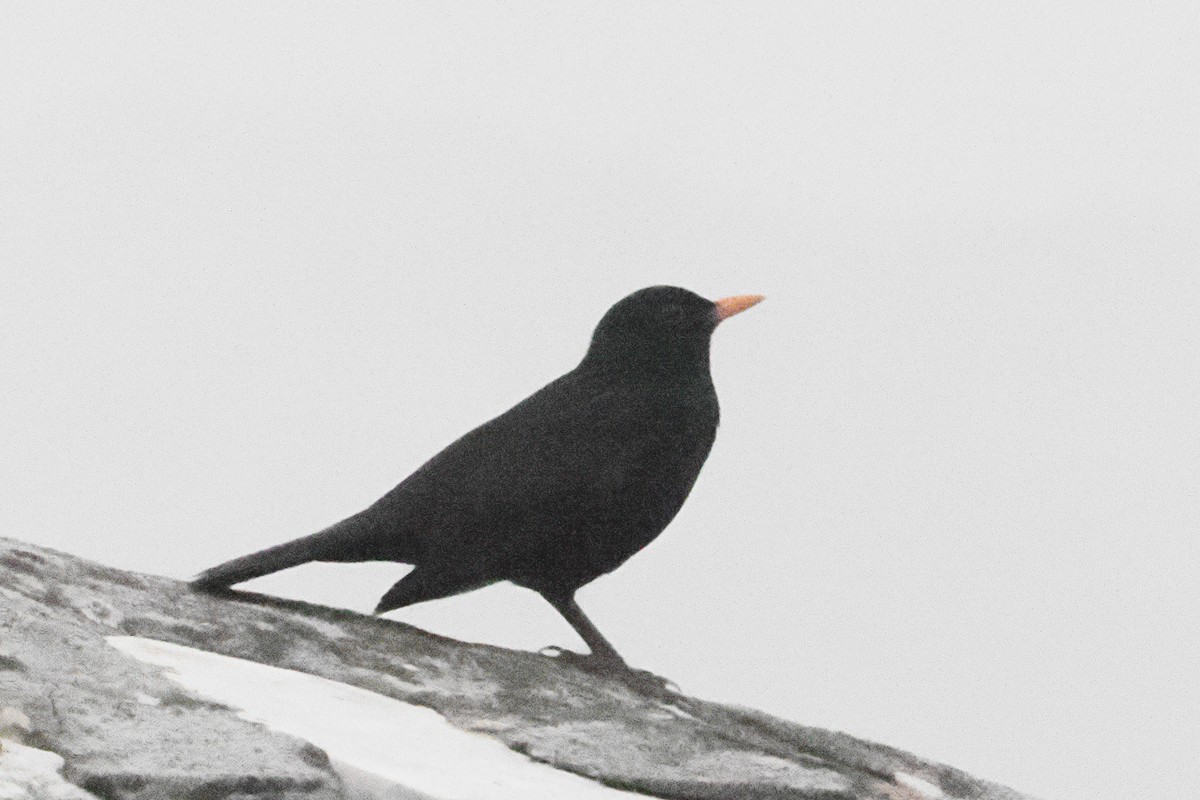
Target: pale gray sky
[{"x": 258, "y": 262}]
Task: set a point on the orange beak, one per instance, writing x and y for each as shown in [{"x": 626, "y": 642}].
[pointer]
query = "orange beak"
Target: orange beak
[{"x": 728, "y": 306}]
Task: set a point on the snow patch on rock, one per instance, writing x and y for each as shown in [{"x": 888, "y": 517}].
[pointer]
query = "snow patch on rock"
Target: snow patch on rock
[
  {"x": 919, "y": 785},
  {"x": 27, "y": 773},
  {"x": 383, "y": 749}
]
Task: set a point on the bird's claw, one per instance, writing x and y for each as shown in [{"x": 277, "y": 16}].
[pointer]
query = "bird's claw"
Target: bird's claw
[
  {"x": 639, "y": 680},
  {"x": 652, "y": 685}
]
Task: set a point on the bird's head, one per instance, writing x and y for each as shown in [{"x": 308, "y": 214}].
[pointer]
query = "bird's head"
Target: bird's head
[{"x": 662, "y": 328}]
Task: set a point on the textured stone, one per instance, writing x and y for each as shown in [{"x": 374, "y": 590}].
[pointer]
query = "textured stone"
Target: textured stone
[{"x": 125, "y": 731}]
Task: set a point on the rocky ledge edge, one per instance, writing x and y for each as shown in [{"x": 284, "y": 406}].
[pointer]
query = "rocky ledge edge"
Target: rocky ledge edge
[{"x": 81, "y": 716}]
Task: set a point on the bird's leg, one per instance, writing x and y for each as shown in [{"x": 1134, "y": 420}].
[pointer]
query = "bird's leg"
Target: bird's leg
[
  {"x": 604, "y": 657},
  {"x": 602, "y": 651}
]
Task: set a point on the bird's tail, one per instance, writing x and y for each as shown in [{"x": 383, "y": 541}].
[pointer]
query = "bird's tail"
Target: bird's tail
[{"x": 335, "y": 543}]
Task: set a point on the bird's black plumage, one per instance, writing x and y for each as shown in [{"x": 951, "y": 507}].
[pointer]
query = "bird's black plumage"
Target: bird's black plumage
[{"x": 558, "y": 490}]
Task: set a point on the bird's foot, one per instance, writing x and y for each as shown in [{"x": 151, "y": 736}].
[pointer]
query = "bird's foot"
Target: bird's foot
[{"x": 639, "y": 680}]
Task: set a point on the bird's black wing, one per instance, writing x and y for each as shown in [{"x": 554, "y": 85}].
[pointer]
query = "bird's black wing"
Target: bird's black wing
[{"x": 576, "y": 457}]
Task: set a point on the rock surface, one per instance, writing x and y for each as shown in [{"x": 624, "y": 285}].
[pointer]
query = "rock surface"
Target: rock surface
[{"x": 124, "y": 730}]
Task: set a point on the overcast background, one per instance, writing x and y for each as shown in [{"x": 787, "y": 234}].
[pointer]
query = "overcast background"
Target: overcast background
[{"x": 259, "y": 261}]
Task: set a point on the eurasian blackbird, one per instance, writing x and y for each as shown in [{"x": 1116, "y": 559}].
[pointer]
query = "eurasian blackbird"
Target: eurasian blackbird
[{"x": 560, "y": 489}]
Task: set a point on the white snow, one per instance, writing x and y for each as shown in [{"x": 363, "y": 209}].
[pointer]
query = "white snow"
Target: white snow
[
  {"x": 383, "y": 748},
  {"x": 919, "y": 785},
  {"x": 27, "y": 773}
]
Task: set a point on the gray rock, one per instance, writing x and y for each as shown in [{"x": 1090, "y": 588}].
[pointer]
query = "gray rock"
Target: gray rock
[{"x": 125, "y": 731}]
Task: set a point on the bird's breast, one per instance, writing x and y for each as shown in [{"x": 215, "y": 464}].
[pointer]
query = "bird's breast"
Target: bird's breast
[
  {"x": 635, "y": 494},
  {"x": 566, "y": 486}
]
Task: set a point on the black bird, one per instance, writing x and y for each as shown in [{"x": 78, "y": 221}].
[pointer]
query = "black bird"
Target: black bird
[{"x": 560, "y": 489}]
